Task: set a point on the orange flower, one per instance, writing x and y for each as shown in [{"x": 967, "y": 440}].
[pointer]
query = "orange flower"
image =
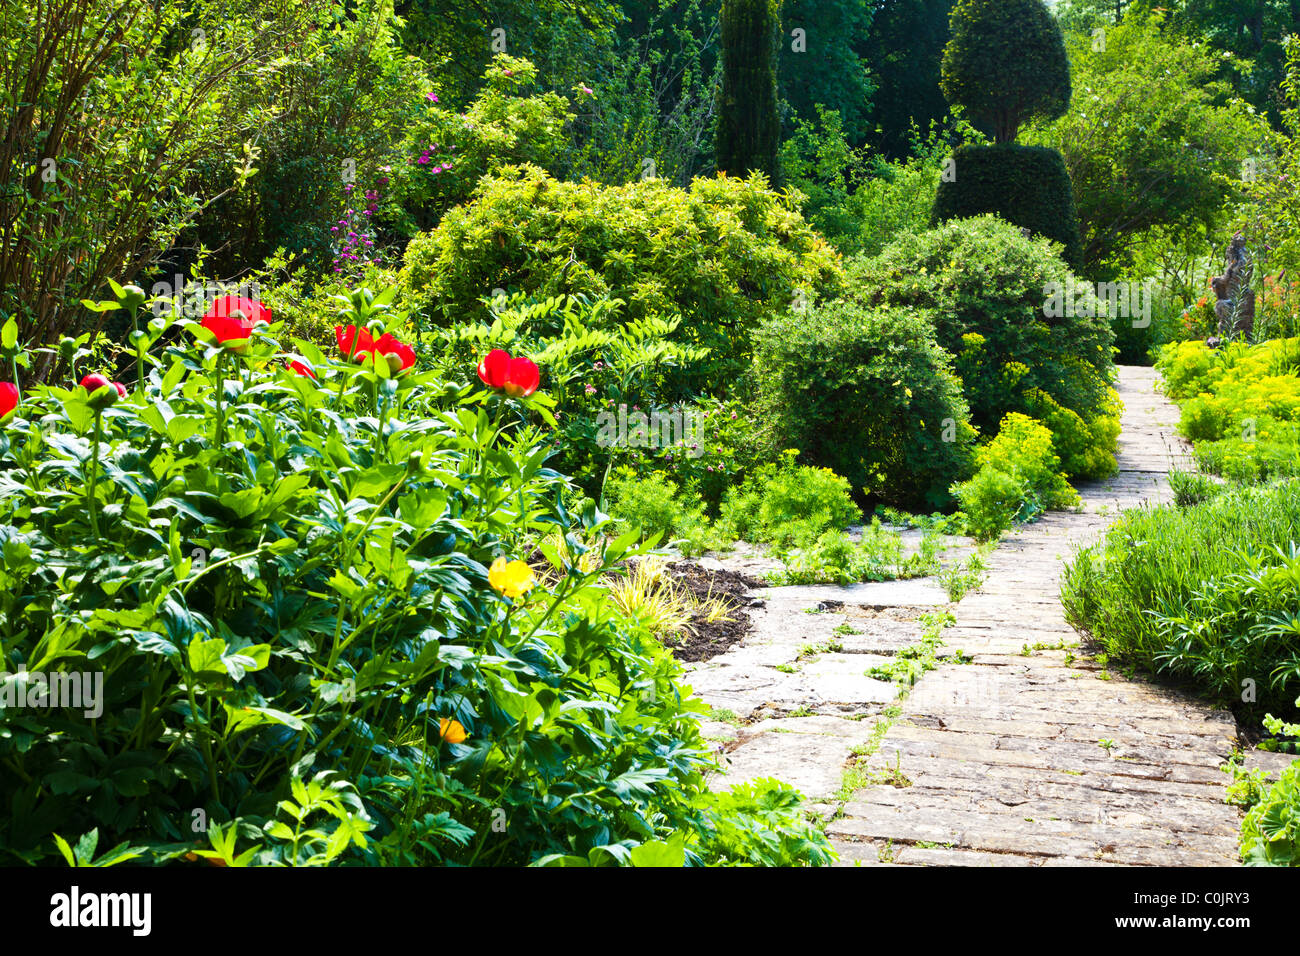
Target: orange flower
[{"x": 451, "y": 730}]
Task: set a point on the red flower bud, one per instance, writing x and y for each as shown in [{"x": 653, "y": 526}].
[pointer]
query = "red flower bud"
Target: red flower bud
[
  {"x": 8, "y": 398},
  {"x": 518, "y": 377},
  {"x": 102, "y": 392}
]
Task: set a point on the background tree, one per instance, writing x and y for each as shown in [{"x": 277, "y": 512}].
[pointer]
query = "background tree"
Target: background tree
[
  {"x": 113, "y": 104},
  {"x": 749, "y": 126},
  {"x": 904, "y": 50},
  {"x": 832, "y": 70},
  {"x": 1005, "y": 64},
  {"x": 1154, "y": 140}
]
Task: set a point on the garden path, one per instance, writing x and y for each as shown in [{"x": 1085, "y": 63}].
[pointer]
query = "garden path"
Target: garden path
[{"x": 1018, "y": 749}]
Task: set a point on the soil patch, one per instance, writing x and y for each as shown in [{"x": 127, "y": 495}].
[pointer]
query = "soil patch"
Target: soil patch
[{"x": 703, "y": 638}]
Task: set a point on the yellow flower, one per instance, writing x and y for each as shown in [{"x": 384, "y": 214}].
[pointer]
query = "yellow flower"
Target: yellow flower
[
  {"x": 513, "y": 579},
  {"x": 452, "y": 731}
]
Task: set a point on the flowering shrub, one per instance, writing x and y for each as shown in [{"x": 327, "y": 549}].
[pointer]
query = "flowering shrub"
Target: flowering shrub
[
  {"x": 1240, "y": 405},
  {"x": 1019, "y": 478},
  {"x": 320, "y": 633}
]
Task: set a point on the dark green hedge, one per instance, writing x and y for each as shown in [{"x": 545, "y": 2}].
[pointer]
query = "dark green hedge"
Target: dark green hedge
[{"x": 1025, "y": 185}]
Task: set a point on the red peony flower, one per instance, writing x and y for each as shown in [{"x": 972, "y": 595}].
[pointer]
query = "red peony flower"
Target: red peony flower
[
  {"x": 231, "y": 318},
  {"x": 518, "y": 377},
  {"x": 8, "y": 398},
  {"x": 302, "y": 368},
  {"x": 94, "y": 382},
  {"x": 400, "y": 356},
  {"x": 364, "y": 343}
]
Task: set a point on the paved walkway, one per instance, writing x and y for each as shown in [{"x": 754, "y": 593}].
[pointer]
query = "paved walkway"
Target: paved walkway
[
  {"x": 997, "y": 756},
  {"x": 1003, "y": 758}
]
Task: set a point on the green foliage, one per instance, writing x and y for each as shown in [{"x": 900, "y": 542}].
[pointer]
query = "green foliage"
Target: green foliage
[
  {"x": 1204, "y": 593},
  {"x": 749, "y": 127},
  {"x": 867, "y": 393},
  {"x": 594, "y": 366},
  {"x": 785, "y": 504},
  {"x": 1191, "y": 488},
  {"x": 1027, "y": 186},
  {"x": 1240, "y": 405},
  {"x": 1019, "y": 478},
  {"x": 654, "y": 506},
  {"x": 109, "y": 109},
  {"x": 283, "y": 583},
  {"x": 326, "y": 118},
  {"x": 1005, "y": 64},
  {"x": 443, "y": 153},
  {"x": 722, "y": 256},
  {"x": 1270, "y": 833},
  {"x": 1153, "y": 140},
  {"x": 763, "y": 824},
  {"x": 830, "y": 71},
  {"x": 905, "y": 48},
  {"x": 835, "y": 558},
  {"x": 569, "y": 43},
  {"x": 719, "y": 449},
  {"x": 1272, "y": 207},
  {"x": 649, "y": 111},
  {"x": 986, "y": 287},
  {"x": 858, "y": 201}
]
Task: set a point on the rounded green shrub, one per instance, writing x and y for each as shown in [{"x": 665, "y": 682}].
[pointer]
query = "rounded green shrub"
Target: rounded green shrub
[
  {"x": 722, "y": 255},
  {"x": 1027, "y": 186},
  {"x": 868, "y": 393},
  {"x": 986, "y": 287}
]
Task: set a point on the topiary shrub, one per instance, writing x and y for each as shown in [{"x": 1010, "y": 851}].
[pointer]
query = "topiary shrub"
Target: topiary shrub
[
  {"x": 723, "y": 255},
  {"x": 1028, "y": 186},
  {"x": 868, "y": 393},
  {"x": 985, "y": 285},
  {"x": 1005, "y": 64}
]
